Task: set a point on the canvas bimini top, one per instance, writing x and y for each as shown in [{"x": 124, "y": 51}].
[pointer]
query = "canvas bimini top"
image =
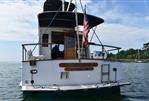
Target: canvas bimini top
[
  {"x": 53, "y": 16},
  {"x": 65, "y": 19}
]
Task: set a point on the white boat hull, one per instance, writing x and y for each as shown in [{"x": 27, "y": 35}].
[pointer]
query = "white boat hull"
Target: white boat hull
[{"x": 48, "y": 77}]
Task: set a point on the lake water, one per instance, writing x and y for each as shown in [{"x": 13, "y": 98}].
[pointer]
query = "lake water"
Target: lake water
[{"x": 136, "y": 73}]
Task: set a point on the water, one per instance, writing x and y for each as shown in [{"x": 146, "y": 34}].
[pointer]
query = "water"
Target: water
[{"x": 136, "y": 73}]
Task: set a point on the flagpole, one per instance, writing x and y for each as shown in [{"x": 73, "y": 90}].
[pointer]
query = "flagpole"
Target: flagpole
[
  {"x": 78, "y": 41},
  {"x": 82, "y": 33}
]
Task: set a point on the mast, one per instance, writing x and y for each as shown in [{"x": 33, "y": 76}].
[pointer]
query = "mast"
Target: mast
[{"x": 138, "y": 54}]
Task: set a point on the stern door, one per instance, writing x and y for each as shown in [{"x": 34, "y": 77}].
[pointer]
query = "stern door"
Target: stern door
[{"x": 70, "y": 45}]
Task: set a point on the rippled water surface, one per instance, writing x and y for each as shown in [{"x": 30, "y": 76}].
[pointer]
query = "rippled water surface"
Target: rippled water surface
[{"x": 136, "y": 73}]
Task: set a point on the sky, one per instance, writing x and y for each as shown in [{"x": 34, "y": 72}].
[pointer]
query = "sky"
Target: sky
[{"x": 126, "y": 24}]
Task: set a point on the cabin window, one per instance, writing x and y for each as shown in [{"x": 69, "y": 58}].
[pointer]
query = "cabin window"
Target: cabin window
[
  {"x": 45, "y": 39},
  {"x": 58, "y": 37},
  {"x": 57, "y": 45},
  {"x": 57, "y": 51},
  {"x": 70, "y": 41}
]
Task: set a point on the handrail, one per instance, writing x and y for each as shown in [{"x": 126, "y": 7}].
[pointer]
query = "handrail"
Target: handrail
[
  {"x": 105, "y": 45},
  {"x": 24, "y": 49},
  {"x": 89, "y": 44},
  {"x": 36, "y": 44}
]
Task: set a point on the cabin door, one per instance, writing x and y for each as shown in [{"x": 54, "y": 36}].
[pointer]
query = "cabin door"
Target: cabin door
[{"x": 70, "y": 45}]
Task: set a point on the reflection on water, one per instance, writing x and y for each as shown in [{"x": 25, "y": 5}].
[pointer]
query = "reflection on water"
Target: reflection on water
[{"x": 136, "y": 73}]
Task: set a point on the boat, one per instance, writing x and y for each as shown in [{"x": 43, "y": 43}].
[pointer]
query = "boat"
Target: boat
[
  {"x": 60, "y": 63},
  {"x": 138, "y": 60}
]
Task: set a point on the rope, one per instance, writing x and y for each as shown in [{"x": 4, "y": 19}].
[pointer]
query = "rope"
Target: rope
[
  {"x": 97, "y": 36},
  {"x": 93, "y": 35},
  {"x": 100, "y": 41}
]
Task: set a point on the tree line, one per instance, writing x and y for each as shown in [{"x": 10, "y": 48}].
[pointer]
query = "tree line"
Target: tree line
[{"x": 130, "y": 54}]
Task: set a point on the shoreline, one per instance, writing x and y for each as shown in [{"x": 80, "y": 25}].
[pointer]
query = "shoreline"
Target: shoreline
[{"x": 134, "y": 60}]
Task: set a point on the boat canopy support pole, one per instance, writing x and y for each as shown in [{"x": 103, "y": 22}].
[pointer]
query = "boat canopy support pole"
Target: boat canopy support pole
[
  {"x": 102, "y": 52},
  {"x": 69, "y": 5},
  {"x": 63, "y": 5},
  {"x": 22, "y": 53}
]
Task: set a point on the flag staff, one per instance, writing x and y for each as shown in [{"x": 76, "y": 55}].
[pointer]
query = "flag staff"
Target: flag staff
[
  {"x": 86, "y": 30},
  {"x": 78, "y": 41}
]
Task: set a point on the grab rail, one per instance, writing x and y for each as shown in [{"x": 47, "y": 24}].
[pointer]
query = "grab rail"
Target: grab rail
[{"x": 25, "y": 50}]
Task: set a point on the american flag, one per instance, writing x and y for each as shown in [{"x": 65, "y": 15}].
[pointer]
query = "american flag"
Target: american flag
[{"x": 86, "y": 30}]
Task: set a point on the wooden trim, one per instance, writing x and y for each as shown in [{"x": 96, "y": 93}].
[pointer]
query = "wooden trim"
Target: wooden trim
[
  {"x": 78, "y": 68},
  {"x": 92, "y": 64}
]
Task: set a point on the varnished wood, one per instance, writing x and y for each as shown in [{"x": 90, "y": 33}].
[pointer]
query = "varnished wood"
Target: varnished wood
[
  {"x": 78, "y": 68},
  {"x": 78, "y": 65},
  {"x": 69, "y": 53}
]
